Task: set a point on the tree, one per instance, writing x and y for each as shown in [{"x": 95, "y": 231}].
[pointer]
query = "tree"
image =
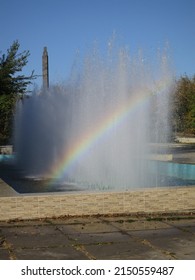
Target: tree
[
  {"x": 184, "y": 106},
  {"x": 12, "y": 87}
]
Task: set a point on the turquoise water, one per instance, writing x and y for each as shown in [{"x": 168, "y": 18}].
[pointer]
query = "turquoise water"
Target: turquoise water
[
  {"x": 6, "y": 157},
  {"x": 159, "y": 174},
  {"x": 171, "y": 169}
]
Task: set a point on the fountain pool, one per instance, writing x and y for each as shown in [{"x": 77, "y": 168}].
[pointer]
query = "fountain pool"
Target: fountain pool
[
  {"x": 83, "y": 146},
  {"x": 161, "y": 174}
]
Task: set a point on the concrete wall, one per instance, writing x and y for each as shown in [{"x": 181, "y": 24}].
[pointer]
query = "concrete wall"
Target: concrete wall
[
  {"x": 60, "y": 204},
  {"x": 185, "y": 140}
]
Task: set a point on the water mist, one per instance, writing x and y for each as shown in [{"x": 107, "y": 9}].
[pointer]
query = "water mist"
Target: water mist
[{"x": 95, "y": 130}]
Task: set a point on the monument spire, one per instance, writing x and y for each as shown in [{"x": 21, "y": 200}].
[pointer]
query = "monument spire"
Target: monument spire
[{"x": 45, "y": 68}]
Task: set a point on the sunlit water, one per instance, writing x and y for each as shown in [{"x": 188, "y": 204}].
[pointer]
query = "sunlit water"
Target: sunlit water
[
  {"x": 94, "y": 129},
  {"x": 162, "y": 174}
]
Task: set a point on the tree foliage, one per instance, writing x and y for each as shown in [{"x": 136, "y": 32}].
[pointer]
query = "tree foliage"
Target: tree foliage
[
  {"x": 184, "y": 106},
  {"x": 12, "y": 86}
]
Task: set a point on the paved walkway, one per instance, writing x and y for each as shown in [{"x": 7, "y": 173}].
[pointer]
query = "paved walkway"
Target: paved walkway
[
  {"x": 121, "y": 237},
  {"x": 6, "y": 190}
]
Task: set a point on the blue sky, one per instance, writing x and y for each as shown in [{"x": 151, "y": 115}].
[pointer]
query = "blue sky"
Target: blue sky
[{"x": 66, "y": 26}]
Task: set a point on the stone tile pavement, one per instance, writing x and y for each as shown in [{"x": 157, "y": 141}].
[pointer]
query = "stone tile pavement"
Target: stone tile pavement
[{"x": 100, "y": 237}]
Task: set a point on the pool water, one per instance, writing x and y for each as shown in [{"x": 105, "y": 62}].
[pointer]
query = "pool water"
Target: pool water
[{"x": 159, "y": 174}]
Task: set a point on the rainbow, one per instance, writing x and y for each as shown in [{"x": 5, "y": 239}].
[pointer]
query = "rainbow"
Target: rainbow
[{"x": 81, "y": 147}]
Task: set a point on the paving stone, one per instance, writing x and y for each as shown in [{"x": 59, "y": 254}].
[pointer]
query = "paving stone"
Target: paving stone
[
  {"x": 120, "y": 218},
  {"x": 29, "y": 237},
  {"x": 182, "y": 222},
  {"x": 57, "y": 253},
  {"x": 24, "y": 223},
  {"x": 180, "y": 244},
  {"x": 4, "y": 254},
  {"x": 190, "y": 229},
  {"x": 98, "y": 238},
  {"x": 92, "y": 227},
  {"x": 124, "y": 251},
  {"x": 140, "y": 225},
  {"x": 73, "y": 220},
  {"x": 83, "y": 238}
]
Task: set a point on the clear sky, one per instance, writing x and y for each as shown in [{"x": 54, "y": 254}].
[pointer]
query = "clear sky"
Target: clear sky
[{"x": 66, "y": 26}]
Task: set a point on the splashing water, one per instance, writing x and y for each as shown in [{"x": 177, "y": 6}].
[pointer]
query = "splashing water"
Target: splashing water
[{"x": 95, "y": 129}]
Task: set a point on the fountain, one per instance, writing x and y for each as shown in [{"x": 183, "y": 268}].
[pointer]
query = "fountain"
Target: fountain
[
  {"x": 88, "y": 146},
  {"x": 94, "y": 130}
]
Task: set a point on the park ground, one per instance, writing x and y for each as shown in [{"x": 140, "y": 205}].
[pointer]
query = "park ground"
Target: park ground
[{"x": 160, "y": 236}]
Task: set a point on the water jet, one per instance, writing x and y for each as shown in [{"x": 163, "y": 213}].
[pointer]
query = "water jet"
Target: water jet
[{"x": 95, "y": 130}]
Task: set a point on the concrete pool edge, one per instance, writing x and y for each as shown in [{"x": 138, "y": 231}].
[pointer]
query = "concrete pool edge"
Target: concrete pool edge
[{"x": 54, "y": 205}]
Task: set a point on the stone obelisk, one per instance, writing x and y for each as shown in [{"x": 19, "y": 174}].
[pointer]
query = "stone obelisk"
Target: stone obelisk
[{"x": 45, "y": 68}]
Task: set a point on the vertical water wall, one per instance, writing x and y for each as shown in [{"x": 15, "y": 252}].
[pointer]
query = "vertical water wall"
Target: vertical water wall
[{"x": 96, "y": 128}]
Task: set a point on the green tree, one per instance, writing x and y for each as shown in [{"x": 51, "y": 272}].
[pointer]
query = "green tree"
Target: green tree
[
  {"x": 12, "y": 86},
  {"x": 184, "y": 106}
]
